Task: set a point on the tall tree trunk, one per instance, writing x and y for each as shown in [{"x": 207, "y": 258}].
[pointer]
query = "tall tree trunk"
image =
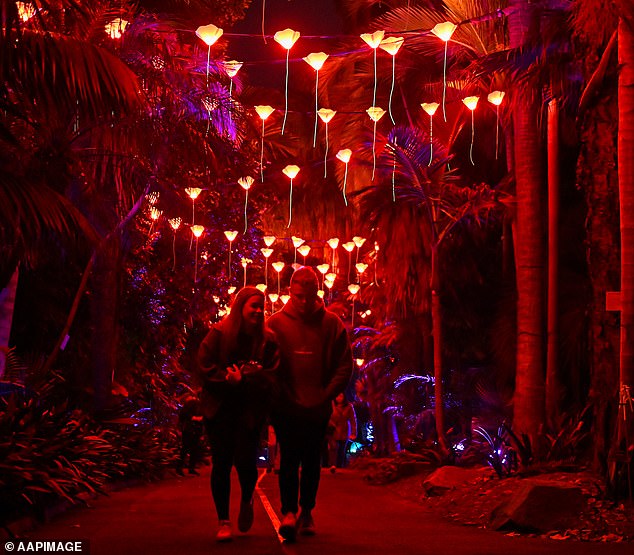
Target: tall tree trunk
[
  {"x": 554, "y": 388},
  {"x": 625, "y": 433},
  {"x": 104, "y": 305},
  {"x": 528, "y": 400},
  {"x": 436, "y": 317},
  {"x": 7, "y": 303}
]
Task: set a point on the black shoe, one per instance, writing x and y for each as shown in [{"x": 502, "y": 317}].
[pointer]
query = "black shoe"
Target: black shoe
[
  {"x": 245, "y": 518},
  {"x": 288, "y": 527},
  {"x": 306, "y": 524}
]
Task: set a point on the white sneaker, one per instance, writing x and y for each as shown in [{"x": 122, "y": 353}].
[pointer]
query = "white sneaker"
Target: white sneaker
[{"x": 224, "y": 531}]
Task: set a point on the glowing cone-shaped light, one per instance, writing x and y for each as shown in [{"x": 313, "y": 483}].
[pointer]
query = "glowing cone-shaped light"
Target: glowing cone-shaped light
[
  {"x": 197, "y": 231},
  {"x": 284, "y": 298},
  {"x": 316, "y": 61},
  {"x": 231, "y": 69},
  {"x": 304, "y": 250},
  {"x": 344, "y": 155},
  {"x": 353, "y": 288},
  {"x": 444, "y": 32},
  {"x": 392, "y": 45},
  {"x": 297, "y": 242},
  {"x": 333, "y": 244},
  {"x": 349, "y": 246},
  {"x": 291, "y": 172},
  {"x": 373, "y": 40},
  {"x": 266, "y": 253},
  {"x": 245, "y": 262},
  {"x": 209, "y": 34},
  {"x": 430, "y": 108},
  {"x": 175, "y": 223},
  {"x": 358, "y": 242},
  {"x": 264, "y": 111},
  {"x": 230, "y": 235},
  {"x": 471, "y": 102},
  {"x": 287, "y": 38},
  {"x": 278, "y": 267},
  {"x": 323, "y": 270},
  {"x": 326, "y": 115},
  {"x": 496, "y": 98},
  {"x": 375, "y": 114},
  {"x": 245, "y": 183},
  {"x": 261, "y": 287},
  {"x": 269, "y": 240},
  {"x": 193, "y": 193}
]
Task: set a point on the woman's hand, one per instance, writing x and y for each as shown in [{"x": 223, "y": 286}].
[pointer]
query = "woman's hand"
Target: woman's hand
[{"x": 234, "y": 375}]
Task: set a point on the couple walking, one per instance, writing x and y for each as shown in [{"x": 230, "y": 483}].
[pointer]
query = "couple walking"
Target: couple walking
[{"x": 290, "y": 369}]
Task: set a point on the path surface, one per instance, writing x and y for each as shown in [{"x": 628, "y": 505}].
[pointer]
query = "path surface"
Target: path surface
[{"x": 176, "y": 517}]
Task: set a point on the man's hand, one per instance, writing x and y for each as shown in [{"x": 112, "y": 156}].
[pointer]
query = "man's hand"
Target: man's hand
[{"x": 234, "y": 375}]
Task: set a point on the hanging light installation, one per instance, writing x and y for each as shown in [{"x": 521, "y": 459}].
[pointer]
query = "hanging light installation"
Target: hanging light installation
[
  {"x": 264, "y": 112},
  {"x": 209, "y": 34},
  {"x": 285, "y": 299},
  {"x": 230, "y": 235},
  {"x": 392, "y": 45},
  {"x": 297, "y": 242},
  {"x": 316, "y": 61},
  {"x": 278, "y": 267},
  {"x": 193, "y": 193},
  {"x": 323, "y": 270},
  {"x": 353, "y": 288},
  {"x": 266, "y": 252},
  {"x": 326, "y": 115},
  {"x": 344, "y": 155},
  {"x": 269, "y": 240},
  {"x": 291, "y": 172},
  {"x": 245, "y": 262},
  {"x": 471, "y": 102},
  {"x": 197, "y": 231},
  {"x": 231, "y": 69},
  {"x": 496, "y": 98},
  {"x": 245, "y": 183},
  {"x": 430, "y": 108},
  {"x": 261, "y": 287},
  {"x": 175, "y": 223},
  {"x": 304, "y": 250},
  {"x": 287, "y": 38},
  {"x": 373, "y": 40},
  {"x": 273, "y": 297},
  {"x": 360, "y": 267},
  {"x": 375, "y": 114},
  {"x": 444, "y": 31}
]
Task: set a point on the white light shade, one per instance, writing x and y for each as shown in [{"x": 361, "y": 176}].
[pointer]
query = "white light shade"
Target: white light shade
[
  {"x": 175, "y": 223},
  {"x": 316, "y": 60},
  {"x": 344, "y": 155},
  {"x": 303, "y": 250},
  {"x": 331, "y": 277},
  {"x": 287, "y": 38},
  {"x": 232, "y": 67},
  {"x": 349, "y": 246},
  {"x": 471, "y": 102},
  {"x": 209, "y": 34},
  {"x": 269, "y": 240},
  {"x": 231, "y": 235},
  {"x": 261, "y": 287},
  {"x": 246, "y": 182},
  {"x": 391, "y": 45},
  {"x": 354, "y": 288},
  {"x": 278, "y": 266},
  {"x": 325, "y": 114},
  {"x": 496, "y": 97},
  {"x": 323, "y": 268},
  {"x": 284, "y": 298},
  {"x": 273, "y": 297},
  {"x": 321, "y": 293},
  {"x": 373, "y": 39},
  {"x": 193, "y": 192},
  {"x": 359, "y": 362},
  {"x": 358, "y": 241},
  {"x": 430, "y": 107},
  {"x": 361, "y": 267},
  {"x": 291, "y": 171},
  {"x": 197, "y": 230},
  {"x": 297, "y": 241},
  {"x": 231, "y": 290},
  {"x": 266, "y": 252},
  {"x": 375, "y": 113},
  {"x": 333, "y": 243},
  {"x": 444, "y": 31},
  {"x": 264, "y": 111},
  {"x": 329, "y": 283}
]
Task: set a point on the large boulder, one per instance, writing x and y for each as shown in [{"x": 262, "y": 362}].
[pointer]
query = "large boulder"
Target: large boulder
[
  {"x": 539, "y": 506},
  {"x": 447, "y": 478}
]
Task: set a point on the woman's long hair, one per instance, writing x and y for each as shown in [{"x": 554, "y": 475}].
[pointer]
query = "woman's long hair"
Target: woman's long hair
[{"x": 231, "y": 325}]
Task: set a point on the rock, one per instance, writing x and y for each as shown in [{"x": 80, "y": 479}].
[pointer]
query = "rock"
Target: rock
[
  {"x": 539, "y": 506},
  {"x": 447, "y": 478}
]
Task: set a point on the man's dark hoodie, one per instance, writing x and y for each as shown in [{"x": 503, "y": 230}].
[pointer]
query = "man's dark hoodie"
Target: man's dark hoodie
[{"x": 316, "y": 360}]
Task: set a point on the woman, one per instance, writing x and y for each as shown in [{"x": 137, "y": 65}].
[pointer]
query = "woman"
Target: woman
[
  {"x": 343, "y": 422},
  {"x": 238, "y": 360}
]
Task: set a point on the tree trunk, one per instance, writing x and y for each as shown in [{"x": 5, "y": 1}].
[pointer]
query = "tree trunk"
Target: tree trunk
[
  {"x": 528, "y": 400},
  {"x": 7, "y": 303},
  {"x": 104, "y": 305},
  {"x": 554, "y": 389},
  {"x": 436, "y": 317}
]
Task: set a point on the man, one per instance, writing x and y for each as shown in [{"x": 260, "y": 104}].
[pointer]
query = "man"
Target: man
[{"x": 316, "y": 365}]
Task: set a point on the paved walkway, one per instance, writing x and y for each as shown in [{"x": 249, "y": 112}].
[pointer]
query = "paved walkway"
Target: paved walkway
[{"x": 176, "y": 517}]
